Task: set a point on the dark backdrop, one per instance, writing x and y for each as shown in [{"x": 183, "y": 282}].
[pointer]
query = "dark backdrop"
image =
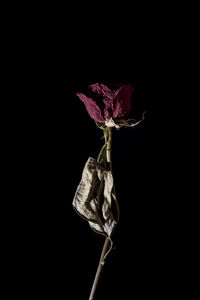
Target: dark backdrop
[
  {"x": 56, "y": 252},
  {"x": 61, "y": 251}
]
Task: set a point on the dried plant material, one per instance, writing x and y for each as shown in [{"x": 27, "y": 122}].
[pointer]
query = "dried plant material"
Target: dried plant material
[
  {"x": 104, "y": 103},
  {"x": 93, "y": 199}
]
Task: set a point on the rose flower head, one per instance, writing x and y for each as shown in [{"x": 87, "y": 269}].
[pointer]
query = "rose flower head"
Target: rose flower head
[{"x": 106, "y": 104}]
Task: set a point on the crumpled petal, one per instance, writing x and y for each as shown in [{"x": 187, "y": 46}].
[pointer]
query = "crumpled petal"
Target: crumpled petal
[
  {"x": 103, "y": 90},
  {"x": 92, "y": 108},
  {"x": 107, "y": 95},
  {"x": 122, "y": 101},
  {"x": 93, "y": 197}
]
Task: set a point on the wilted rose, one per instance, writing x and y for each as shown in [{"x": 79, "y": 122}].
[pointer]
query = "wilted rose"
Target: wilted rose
[{"x": 104, "y": 103}]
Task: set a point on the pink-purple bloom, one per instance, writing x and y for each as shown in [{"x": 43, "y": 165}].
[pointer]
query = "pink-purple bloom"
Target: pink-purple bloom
[{"x": 104, "y": 103}]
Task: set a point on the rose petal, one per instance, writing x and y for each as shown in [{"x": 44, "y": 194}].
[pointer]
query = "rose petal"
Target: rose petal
[
  {"x": 122, "y": 101},
  {"x": 92, "y": 108},
  {"x": 103, "y": 90},
  {"x": 108, "y": 97}
]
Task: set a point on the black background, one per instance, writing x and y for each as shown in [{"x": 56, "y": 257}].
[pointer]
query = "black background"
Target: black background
[
  {"x": 55, "y": 252},
  {"x": 61, "y": 251}
]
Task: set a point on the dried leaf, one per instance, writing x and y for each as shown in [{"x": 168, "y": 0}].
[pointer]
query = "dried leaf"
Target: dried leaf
[{"x": 93, "y": 197}]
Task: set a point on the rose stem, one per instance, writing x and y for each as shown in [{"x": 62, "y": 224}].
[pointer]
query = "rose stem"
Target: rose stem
[
  {"x": 108, "y": 145},
  {"x": 99, "y": 269},
  {"x": 108, "y": 139}
]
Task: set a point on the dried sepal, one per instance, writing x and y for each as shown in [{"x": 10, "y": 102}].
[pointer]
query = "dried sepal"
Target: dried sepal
[{"x": 119, "y": 123}]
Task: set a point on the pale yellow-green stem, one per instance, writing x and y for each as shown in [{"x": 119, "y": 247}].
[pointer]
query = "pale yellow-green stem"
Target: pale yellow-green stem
[
  {"x": 99, "y": 269},
  {"x": 108, "y": 144}
]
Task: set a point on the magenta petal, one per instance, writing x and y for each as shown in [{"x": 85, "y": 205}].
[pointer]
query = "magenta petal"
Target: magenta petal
[
  {"x": 103, "y": 90},
  {"x": 108, "y": 109},
  {"x": 122, "y": 101},
  {"x": 92, "y": 108},
  {"x": 107, "y": 98}
]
